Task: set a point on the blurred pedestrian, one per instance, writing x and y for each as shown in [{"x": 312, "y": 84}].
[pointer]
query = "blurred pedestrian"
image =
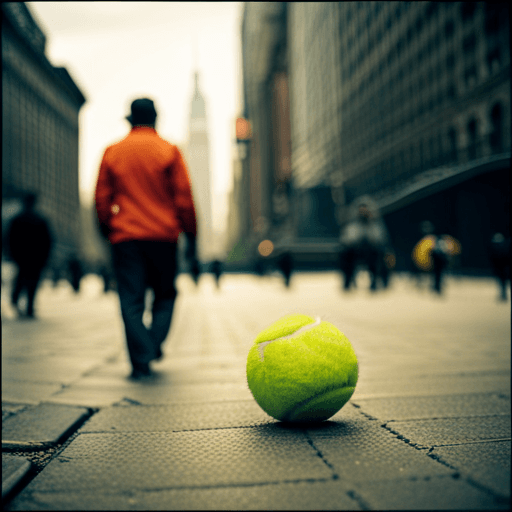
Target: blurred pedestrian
[
  {"x": 75, "y": 272},
  {"x": 143, "y": 202},
  {"x": 106, "y": 275},
  {"x": 55, "y": 275},
  {"x": 363, "y": 241},
  {"x": 259, "y": 266},
  {"x": 285, "y": 264},
  {"x": 216, "y": 270},
  {"x": 433, "y": 254},
  {"x": 30, "y": 242},
  {"x": 499, "y": 254},
  {"x": 195, "y": 271}
]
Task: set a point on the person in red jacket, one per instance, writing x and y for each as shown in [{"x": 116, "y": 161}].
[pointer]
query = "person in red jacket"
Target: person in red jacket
[{"x": 144, "y": 201}]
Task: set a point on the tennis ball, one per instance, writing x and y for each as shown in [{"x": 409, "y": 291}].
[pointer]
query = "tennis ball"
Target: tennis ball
[{"x": 301, "y": 369}]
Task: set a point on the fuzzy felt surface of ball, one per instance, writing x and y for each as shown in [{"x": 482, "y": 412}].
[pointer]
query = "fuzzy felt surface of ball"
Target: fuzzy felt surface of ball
[{"x": 301, "y": 369}]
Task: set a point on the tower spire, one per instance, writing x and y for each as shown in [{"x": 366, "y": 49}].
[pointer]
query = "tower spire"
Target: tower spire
[{"x": 195, "y": 54}]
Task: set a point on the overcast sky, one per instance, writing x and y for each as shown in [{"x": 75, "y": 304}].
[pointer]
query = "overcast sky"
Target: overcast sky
[{"x": 118, "y": 51}]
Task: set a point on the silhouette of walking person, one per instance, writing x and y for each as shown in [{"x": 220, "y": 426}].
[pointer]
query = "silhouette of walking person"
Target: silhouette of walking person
[
  {"x": 499, "y": 254},
  {"x": 30, "y": 242},
  {"x": 216, "y": 269},
  {"x": 143, "y": 202},
  {"x": 285, "y": 264},
  {"x": 364, "y": 240}
]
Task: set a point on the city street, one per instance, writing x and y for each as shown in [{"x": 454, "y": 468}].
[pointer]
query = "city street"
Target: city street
[{"x": 428, "y": 426}]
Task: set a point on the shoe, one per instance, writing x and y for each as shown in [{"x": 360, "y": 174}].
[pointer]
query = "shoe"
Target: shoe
[
  {"x": 158, "y": 355},
  {"x": 138, "y": 375},
  {"x": 141, "y": 371}
]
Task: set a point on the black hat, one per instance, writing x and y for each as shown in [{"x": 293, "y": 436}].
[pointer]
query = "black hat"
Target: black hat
[{"x": 143, "y": 112}]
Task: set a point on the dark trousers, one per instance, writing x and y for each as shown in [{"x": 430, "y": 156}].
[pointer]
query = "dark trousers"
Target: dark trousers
[
  {"x": 139, "y": 265},
  {"x": 349, "y": 259},
  {"x": 27, "y": 279}
]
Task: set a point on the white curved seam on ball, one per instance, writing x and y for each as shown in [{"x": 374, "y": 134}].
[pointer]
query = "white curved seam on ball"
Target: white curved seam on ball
[{"x": 261, "y": 346}]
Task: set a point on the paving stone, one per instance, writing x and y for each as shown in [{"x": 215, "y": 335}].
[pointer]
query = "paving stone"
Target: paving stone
[
  {"x": 437, "y": 493},
  {"x": 134, "y": 461},
  {"x": 314, "y": 495},
  {"x": 478, "y": 382},
  {"x": 57, "y": 369},
  {"x": 486, "y": 463},
  {"x": 194, "y": 416},
  {"x": 152, "y": 393},
  {"x": 13, "y": 470},
  {"x": 40, "y": 426},
  {"x": 27, "y": 392},
  {"x": 10, "y": 409},
  {"x": 172, "y": 418},
  {"x": 445, "y": 431},
  {"x": 447, "y": 406},
  {"x": 359, "y": 450}
]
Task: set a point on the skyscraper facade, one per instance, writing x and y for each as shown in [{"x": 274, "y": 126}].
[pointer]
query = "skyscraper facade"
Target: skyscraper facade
[
  {"x": 408, "y": 102},
  {"x": 198, "y": 161}
]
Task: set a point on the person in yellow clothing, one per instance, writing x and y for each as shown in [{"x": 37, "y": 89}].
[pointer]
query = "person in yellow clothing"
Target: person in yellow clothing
[
  {"x": 144, "y": 201},
  {"x": 432, "y": 254}
]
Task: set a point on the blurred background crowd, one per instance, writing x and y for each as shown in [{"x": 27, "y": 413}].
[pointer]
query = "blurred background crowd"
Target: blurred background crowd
[{"x": 372, "y": 135}]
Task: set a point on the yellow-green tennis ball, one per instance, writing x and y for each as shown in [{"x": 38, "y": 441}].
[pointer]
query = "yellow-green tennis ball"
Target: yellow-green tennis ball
[{"x": 301, "y": 369}]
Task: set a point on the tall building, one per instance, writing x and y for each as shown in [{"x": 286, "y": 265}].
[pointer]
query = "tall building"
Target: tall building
[
  {"x": 198, "y": 161},
  {"x": 406, "y": 101},
  {"x": 263, "y": 188},
  {"x": 40, "y": 107},
  {"x": 315, "y": 95}
]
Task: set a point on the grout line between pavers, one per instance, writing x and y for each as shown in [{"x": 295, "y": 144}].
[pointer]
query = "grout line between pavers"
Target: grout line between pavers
[
  {"x": 359, "y": 500},
  {"x": 240, "y": 484},
  {"x": 174, "y": 431},
  {"x": 500, "y": 498},
  {"x": 335, "y": 475},
  {"x": 482, "y": 441},
  {"x": 496, "y": 415}
]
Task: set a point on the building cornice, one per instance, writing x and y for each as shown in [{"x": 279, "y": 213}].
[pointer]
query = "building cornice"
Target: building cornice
[{"x": 17, "y": 18}]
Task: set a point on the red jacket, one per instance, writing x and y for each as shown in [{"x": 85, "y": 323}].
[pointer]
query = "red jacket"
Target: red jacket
[{"x": 143, "y": 190}]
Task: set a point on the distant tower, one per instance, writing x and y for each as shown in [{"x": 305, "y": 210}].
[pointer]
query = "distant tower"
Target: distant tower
[{"x": 199, "y": 168}]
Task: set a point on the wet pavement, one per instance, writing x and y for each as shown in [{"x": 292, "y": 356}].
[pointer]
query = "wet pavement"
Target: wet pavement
[{"x": 428, "y": 426}]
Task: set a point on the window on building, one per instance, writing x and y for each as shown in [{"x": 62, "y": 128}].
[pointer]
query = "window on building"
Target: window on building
[
  {"x": 470, "y": 75},
  {"x": 494, "y": 60},
  {"x": 439, "y": 70},
  {"x": 496, "y": 135},
  {"x": 430, "y": 103},
  {"x": 421, "y": 108},
  {"x": 431, "y": 10},
  {"x": 398, "y": 11},
  {"x": 450, "y": 62},
  {"x": 409, "y": 35},
  {"x": 440, "y": 97},
  {"x": 430, "y": 75},
  {"x": 492, "y": 17},
  {"x": 472, "y": 130},
  {"x": 469, "y": 45},
  {"x": 449, "y": 29},
  {"x": 421, "y": 154},
  {"x": 450, "y": 92},
  {"x": 419, "y": 25},
  {"x": 348, "y": 14},
  {"x": 467, "y": 10},
  {"x": 421, "y": 55},
  {"x": 369, "y": 19}
]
